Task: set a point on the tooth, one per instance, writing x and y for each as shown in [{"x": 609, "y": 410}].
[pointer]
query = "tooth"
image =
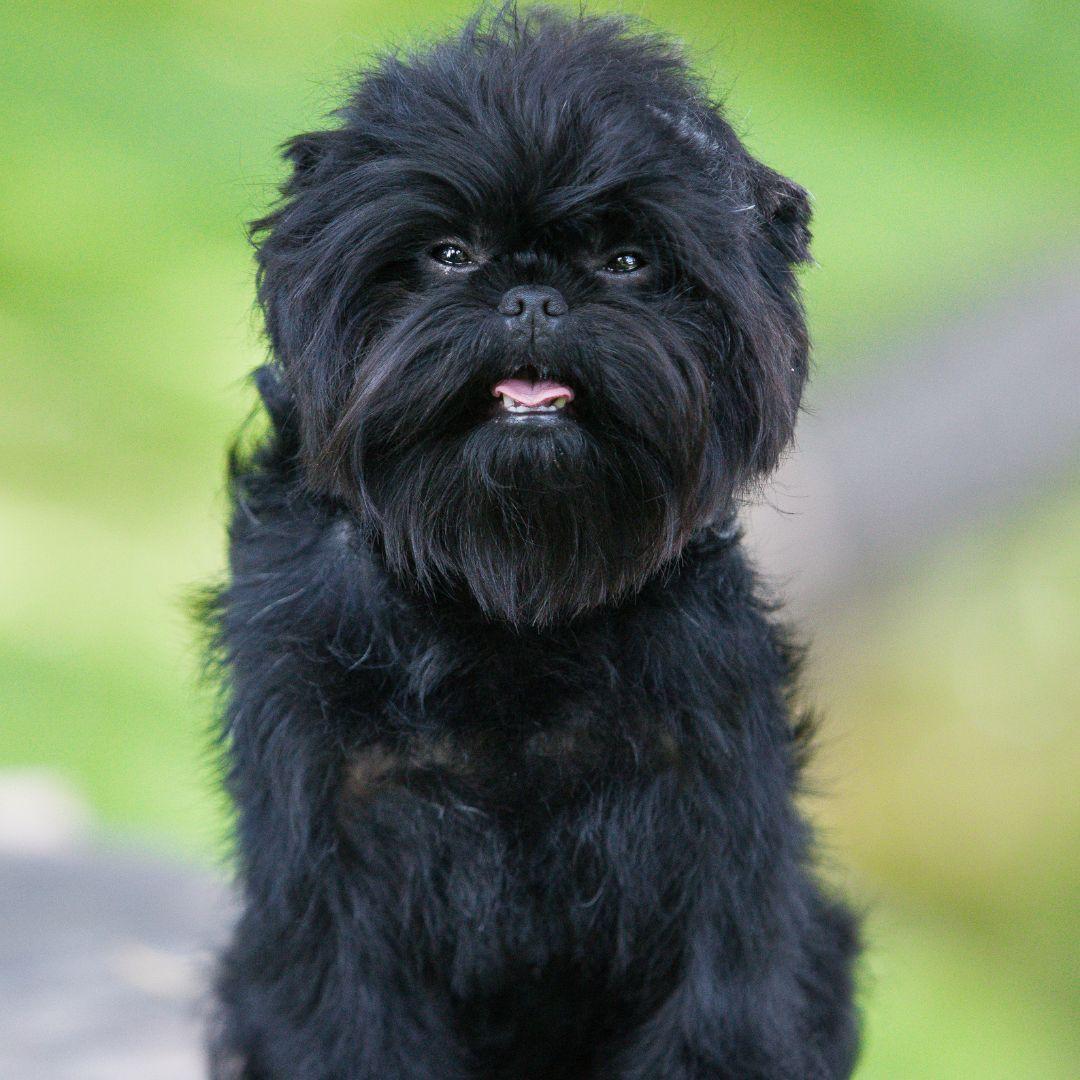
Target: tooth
[{"x": 561, "y": 402}]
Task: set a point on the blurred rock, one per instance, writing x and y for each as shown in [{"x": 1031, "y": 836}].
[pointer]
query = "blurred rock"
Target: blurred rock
[
  {"x": 39, "y": 813},
  {"x": 106, "y": 957}
]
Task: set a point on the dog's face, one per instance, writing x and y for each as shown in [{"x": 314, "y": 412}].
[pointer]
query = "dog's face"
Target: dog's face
[{"x": 535, "y": 305}]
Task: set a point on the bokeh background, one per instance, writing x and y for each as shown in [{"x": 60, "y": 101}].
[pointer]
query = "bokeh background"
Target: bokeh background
[{"x": 939, "y": 140}]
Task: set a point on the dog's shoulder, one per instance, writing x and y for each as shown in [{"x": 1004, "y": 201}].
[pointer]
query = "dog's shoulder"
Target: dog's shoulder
[{"x": 302, "y": 572}]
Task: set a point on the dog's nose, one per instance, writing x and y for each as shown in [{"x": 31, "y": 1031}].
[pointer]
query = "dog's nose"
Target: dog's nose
[{"x": 533, "y": 304}]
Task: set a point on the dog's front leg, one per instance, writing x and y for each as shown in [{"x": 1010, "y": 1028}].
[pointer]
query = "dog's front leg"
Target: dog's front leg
[
  {"x": 723, "y": 1023},
  {"x": 701, "y": 1032},
  {"x": 339, "y": 990},
  {"x": 331, "y": 974}
]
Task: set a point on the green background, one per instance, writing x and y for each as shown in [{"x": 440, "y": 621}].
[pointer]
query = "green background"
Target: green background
[{"x": 938, "y": 140}]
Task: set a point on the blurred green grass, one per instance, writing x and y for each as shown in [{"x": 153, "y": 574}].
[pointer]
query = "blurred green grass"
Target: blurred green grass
[{"x": 938, "y": 140}]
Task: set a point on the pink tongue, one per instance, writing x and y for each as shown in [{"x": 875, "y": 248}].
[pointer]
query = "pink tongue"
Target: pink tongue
[{"x": 532, "y": 393}]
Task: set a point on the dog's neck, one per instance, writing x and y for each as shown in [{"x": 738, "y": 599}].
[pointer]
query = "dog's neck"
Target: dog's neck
[{"x": 712, "y": 552}]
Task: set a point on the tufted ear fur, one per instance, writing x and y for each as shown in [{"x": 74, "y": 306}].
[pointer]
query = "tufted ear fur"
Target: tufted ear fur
[
  {"x": 305, "y": 152},
  {"x": 785, "y": 209},
  {"x": 783, "y": 205},
  {"x": 276, "y": 398},
  {"x": 770, "y": 324},
  {"x": 295, "y": 393}
]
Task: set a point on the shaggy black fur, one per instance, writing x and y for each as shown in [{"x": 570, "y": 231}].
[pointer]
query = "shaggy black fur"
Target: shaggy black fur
[{"x": 508, "y": 729}]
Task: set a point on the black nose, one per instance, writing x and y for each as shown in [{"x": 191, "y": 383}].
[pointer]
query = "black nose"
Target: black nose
[{"x": 533, "y": 303}]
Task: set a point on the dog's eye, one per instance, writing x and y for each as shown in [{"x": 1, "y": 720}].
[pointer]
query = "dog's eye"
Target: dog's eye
[
  {"x": 452, "y": 255},
  {"x": 624, "y": 262}
]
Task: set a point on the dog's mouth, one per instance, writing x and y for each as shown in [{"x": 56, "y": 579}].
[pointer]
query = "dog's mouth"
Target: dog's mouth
[{"x": 526, "y": 398}]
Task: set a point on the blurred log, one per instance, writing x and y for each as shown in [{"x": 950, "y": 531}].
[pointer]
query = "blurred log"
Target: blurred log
[{"x": 966, "y": 421}]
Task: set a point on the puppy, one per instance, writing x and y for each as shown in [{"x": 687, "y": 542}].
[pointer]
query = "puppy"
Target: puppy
[{"x": 508, "y": 726}]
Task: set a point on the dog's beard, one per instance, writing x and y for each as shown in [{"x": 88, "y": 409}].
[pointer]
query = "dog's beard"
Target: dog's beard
[
  {"x": 536, "y": 521},
  {"x": 537, "y": 526}
]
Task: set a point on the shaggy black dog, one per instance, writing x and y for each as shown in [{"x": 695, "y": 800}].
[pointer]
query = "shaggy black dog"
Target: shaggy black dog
[{"x": 509, "y": 731}]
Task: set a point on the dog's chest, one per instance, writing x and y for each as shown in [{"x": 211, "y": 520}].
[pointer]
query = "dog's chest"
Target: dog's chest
[{"x": 498, "y": 764}]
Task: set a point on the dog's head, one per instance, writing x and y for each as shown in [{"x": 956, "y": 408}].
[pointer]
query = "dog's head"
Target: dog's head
[{"x": 535, "y": 306}]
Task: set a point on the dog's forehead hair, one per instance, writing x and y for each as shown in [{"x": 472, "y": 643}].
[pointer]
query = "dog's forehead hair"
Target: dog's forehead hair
[
  {"x": 534, "y": 122},
  {"x": 595, "y": 185},
  {"x": 563, "y": 219}
]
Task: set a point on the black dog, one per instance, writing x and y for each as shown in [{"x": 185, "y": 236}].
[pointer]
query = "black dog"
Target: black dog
[{"x": 509, "y": 730}]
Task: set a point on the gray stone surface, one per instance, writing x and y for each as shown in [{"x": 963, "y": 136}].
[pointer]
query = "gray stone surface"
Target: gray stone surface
[{"x": 104, "y": 961}]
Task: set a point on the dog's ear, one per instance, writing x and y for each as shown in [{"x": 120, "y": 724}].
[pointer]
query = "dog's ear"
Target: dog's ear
[
  {"x": 785, "y": 210},
  {"x": 277, "y": 399},
  {"x": 305, "y": 153},
  {"x": 783, "y": 206}
]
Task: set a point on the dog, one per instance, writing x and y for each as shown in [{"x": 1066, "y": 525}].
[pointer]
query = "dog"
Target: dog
[{"x": 509, "y": 724}]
